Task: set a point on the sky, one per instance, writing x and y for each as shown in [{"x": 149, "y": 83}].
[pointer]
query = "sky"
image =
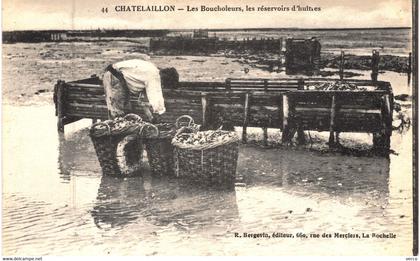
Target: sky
[{"x": 87, "y": 14}]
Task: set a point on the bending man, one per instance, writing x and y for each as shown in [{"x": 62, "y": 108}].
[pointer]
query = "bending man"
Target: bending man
[{"x": 140, "y": 78}]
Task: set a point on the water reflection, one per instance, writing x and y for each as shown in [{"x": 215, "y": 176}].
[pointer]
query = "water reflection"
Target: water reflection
[
  {"x": 76, "y": 154},
  {"x": 63, "y": 158},
  {"x": 161, "y": 202},
  {"x": 119, "y": 201},
  {"x": 189, "y": 207},
  {"x": 315, "y": 171}
]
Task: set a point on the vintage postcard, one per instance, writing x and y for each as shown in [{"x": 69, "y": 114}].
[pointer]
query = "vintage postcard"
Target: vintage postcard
[{"x": 209, "y": 128}]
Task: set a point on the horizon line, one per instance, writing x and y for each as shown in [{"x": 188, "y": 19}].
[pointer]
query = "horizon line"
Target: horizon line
[{"x": 221, "y": 29}]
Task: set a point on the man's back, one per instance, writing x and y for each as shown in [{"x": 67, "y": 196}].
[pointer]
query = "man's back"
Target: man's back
[{"x": 138, "y": 74}]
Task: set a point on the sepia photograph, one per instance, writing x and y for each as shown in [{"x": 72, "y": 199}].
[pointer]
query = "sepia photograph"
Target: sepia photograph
[{"x": 209, "y": 128}]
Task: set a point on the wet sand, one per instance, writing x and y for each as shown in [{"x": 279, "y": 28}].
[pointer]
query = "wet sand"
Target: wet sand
[{"x": 31, "y": 70}]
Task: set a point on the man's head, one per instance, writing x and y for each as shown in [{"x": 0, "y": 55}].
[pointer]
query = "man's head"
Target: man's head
[{"x": 169, "y": 78}]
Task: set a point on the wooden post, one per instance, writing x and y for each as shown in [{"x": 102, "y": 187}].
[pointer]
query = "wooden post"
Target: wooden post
[
  {"x": 342, "y": 66},
  {"x": 246, "y": 116},
  {"x": 265, "y": 136},
  {"x": 388, "y": 130},
  {"x": 227, "y": 84},
  {"x": 60, "y": 106},
  {"x": 280, "y": 47},
  {"x": 285, "y": 136},
  {"x": 288, "y": 56},
  {"x": 388, "y": 110},
  {"x": 301, "y": 84},
  {"x": 285, "y": 110},
  {"x": 409, "y": 68},
  {"x": 409, "y": 63},
  {"x": 300, "y": 135},
  {"x": 375, "y": 65},
  {"x": 205, "y": 109},
  {"x": 316, "y": 55},
  {"x": 382, "y": 139},
  {"x": 280, "y": 62},
  {"x": 332, "y": 120}
]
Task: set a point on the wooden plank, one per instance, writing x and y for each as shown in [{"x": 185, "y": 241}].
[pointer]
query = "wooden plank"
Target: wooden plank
[
  {"x": 71, "y": 111},
  {"x": 270, "y": 90},
  {"x": 267, "y": 83},
  {"x": 279, "y": 81},
  {"x": 222, "y": 94},
  {"x": 183, "y": 101},
  {"x": 91, "y": 106},
  {"x": 261, "y": 79},
  {"x": 83, "y": 85},
  {"x": 200, "y": 84},
  {"x": 90, "y": 115},
  {"x": 315, "y": 110},
  {"x": 331, "y": 92}
]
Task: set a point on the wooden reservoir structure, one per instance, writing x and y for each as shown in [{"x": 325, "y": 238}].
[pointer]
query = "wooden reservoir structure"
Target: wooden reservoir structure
[{"x": 280, "y": 103}]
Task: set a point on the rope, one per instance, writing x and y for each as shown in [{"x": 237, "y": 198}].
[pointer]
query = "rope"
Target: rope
[
  {"x": 144, "y": 126},
  {"x": 168, "y": 130}
]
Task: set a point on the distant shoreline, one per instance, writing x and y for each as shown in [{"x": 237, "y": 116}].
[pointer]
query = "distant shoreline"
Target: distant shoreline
[{"x": 33, "y": 36}]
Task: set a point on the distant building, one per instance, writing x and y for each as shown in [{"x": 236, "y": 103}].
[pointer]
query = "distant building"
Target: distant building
[
  {"x": 58, "y": 36},
  {"x": 303, "y": 56},
  {"x": 34, "y": 36},
  {"x": 200, "y": 33}
]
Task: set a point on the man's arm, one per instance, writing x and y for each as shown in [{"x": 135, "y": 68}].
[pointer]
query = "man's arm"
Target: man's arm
[{"x": 154, "y": 93}]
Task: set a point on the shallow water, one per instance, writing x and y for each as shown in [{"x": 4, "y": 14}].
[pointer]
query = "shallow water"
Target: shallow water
[{"x": 56, "y": 202}]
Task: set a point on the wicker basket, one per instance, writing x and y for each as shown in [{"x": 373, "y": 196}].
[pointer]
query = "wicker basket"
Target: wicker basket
[
  {"x": 212, "y": 164},
  {"x": 119, "y": 151},
  {"x": 160, "y": 149}
]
